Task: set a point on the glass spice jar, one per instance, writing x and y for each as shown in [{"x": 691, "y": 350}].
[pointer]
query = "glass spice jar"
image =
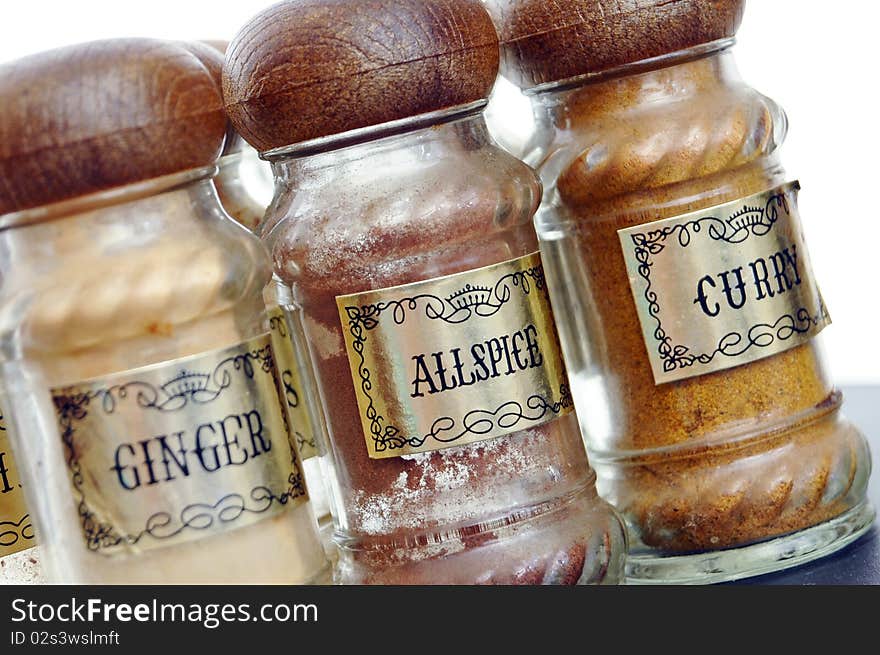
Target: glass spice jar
[
  {"x": 19, "y": 559},
  {"x": 294, "y": 360},
  {"x": 406, "y": 235},
  {"x": 689, "y": 308},
  {"x": 135, "y": 355},
  {"x": 307, "y": 423}
]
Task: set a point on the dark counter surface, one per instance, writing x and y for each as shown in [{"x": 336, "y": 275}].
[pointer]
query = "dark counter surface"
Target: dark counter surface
[{"x": 858, "y": 563}]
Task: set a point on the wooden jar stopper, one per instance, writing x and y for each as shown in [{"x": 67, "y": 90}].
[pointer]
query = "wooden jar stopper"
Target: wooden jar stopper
[
  {"x": 92, "y": 117},
  {"x": 307, "y": 69},
  {"x": 212, "y": 54},
  {"x": 544, "y": 42}
]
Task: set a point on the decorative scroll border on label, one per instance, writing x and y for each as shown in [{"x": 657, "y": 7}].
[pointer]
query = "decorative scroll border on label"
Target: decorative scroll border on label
[
  {"x": 187, "y": 386},
  {"x": 701, "y": 236},
  {"x": 512, "y": 292}
]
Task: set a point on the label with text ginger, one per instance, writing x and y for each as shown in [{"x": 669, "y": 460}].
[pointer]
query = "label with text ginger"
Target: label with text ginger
[
  {"x": 724, "y": 286},
  {"x": 179, "y": 451},
  {"x": 455, "y": 360}
]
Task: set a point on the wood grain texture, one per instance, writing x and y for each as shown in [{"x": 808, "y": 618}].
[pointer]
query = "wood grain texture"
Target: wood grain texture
[
  {"x": 306, "y": 69},
  {"x": 551, "y": 40},
  {"x": 211, "y": 54},
  {"x": 96, "y": 116}
]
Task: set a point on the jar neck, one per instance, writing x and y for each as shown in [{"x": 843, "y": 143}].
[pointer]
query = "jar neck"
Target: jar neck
[
  {"x": 467, "y": 129},
  {"x": 135, "y": 213},
  {"x": 375, "y": 133},
  {"x": 108, "y": 201},
  {"x": 391, "y": 156},
  {"x": 675, "y": 76}
]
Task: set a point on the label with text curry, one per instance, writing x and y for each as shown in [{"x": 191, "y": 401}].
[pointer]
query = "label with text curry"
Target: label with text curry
[
  {"x": 179, "y": 451},
  {"x": 455, "y": 360},
  {"x": 16, "y": 530},
  {"x": 724, "y": 286},
  {"x": 290, "y": 368}
]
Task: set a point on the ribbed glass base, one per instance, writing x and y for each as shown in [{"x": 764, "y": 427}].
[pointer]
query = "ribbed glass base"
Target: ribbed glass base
[{"x": 756, "y": 559}]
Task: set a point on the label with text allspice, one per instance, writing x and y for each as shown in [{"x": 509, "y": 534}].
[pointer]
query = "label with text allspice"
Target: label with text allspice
[
  {"x": 16, "y": 529},
  {"x": 455, "y": 360},
  {"x": 180, "y": 450},
  {"x": 724, "y": 286}
]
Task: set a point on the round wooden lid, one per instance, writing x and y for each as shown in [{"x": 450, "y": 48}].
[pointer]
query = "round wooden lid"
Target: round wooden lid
[
  {"x": 544, "y": 42},
  {"x": 212, "y": 53},
  {"x": 307, "y": 69},
  {"x": 96, "y": 116}
]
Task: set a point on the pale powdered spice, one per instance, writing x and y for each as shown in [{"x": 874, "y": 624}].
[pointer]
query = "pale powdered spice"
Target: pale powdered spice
[
  {"x": 21, "y": 568},
  {"x": 448, "y": 485}
]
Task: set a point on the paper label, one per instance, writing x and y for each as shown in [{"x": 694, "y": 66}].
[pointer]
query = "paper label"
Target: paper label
[
  {"x": 455, "y": 360},
  {"x": 724, "y": 286},
  {"x": 181, "y": 450},
  {"x": 291, "y": 371}
]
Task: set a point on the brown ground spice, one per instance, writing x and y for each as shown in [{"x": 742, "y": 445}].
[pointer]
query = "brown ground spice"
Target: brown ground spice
[
  {"x": 770, "y": 454},
  {"x": 395, "y": 504}
]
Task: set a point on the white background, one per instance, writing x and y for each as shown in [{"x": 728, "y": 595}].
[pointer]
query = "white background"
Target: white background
[{"x": 818, "y": 59}]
